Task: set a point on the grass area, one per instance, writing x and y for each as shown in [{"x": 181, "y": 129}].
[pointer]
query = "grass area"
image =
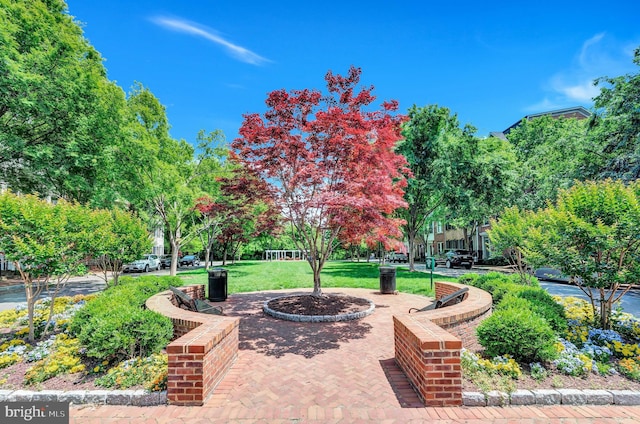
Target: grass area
[{"x": 250, "y": 276}]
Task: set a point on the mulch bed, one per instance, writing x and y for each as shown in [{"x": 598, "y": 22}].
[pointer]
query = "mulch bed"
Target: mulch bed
[{"x": 328, "y": 304}]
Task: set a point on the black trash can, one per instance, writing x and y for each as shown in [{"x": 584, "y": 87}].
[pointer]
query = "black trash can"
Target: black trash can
[
  {"x": 387, "y": 280},
  {"x": 217, "y": 284}
]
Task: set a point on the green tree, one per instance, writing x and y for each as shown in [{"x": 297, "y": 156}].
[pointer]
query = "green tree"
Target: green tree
[
  {"x": 487, "y": 186},
  {"x": 452, "y": 169},
  {"x": 552, "y": 152},
  {"x": 428, "y": 134},
  {"x": 591, "y": 234},
  {"x": 47, "y": 243},
  {"x": 508, "y": 235},
  {"x": 615, "y": 127},
  {"x": 165, "y": 176},
  {"x": 56, "y": 115},
  {"x": 119, "y": 238}
]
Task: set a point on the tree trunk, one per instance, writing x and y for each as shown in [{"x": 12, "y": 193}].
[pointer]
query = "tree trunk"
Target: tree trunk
[
  {"x": 412, "y": 243},
  {"x": 30, "y": 309},
  {"x": 174, "y": 258},
  {"x": 224, "y": 254},
  {"x": 605, "y": 310},
  {"x": 317, "y": 287},
  {"x": 116, "y": 267},
  {"x": 207, "y": 257}
]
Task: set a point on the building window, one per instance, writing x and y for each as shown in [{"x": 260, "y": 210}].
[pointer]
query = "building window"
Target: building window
[
  {"x": 439, "y": 227},
  {"x": 440, "y": 247}
]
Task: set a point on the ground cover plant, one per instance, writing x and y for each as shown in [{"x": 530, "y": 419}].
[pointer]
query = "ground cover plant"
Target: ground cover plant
[
  {"x": 552, "y": 341},
  {"x": 106, "y": 340}
]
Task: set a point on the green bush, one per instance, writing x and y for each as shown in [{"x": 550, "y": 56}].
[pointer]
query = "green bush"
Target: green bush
[
  {"x": 519, "y": 332},
  {"x": 469, "y": 279},
  {"x": 115, "y": 326},
  {"x": 498, "y": 284},
  {"x": 543, "y": 304}
]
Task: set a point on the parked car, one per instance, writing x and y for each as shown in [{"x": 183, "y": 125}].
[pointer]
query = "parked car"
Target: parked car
[
  {"x": 189, "y": 260},
  {"x": 144, "y": 264},
  {"x": 165, "y": 261},
  {"x": 398, "y": 257},
  {"x": 455, "y": 258}
]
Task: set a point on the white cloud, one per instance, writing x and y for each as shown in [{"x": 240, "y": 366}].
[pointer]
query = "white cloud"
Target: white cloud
[
  {"x": 600, "y": 55},
  {"x": 238, "y": 52},
  {"x": 582, "y": 92},
  {"x": 544, "y": 104}
]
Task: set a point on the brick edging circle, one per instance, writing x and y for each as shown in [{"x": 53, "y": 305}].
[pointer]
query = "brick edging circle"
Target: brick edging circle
[{"x": 316, "y": 318}]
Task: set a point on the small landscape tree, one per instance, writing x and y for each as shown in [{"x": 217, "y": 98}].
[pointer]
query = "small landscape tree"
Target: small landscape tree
[
  {"x": 47, "y": 243},
  {"x": 590, "y": 234},
  {"x": 329, "y": 159},
  {"x": 243, "y": 210},
  {"x": 508, "y": 235},
  {"x": 119, "y": 238}
]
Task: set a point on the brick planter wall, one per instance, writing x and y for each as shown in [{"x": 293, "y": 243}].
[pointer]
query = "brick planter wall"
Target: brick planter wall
[
  {"x": 428, "y": 344},
  {"x": 203, "y": 350}
]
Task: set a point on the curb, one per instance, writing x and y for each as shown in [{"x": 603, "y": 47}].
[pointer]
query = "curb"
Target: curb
[
  {"x": 541, "y": 397},
  {"x": 79, "y": 397},
  {"x": 544, "y": 397}
]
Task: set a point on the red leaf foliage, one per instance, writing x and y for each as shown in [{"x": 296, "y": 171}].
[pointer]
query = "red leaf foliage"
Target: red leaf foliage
[
  {"x": 245, "y": 207},
  {"x": 330, "y": 159}
]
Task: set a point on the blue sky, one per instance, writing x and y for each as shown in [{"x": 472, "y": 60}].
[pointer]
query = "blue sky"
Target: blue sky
[{"x": 210, "y": 62}]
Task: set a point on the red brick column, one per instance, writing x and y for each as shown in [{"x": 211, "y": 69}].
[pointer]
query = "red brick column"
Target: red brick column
[
  {"x": 204, "y": 349},
  {"x": 428, "y": 344}
]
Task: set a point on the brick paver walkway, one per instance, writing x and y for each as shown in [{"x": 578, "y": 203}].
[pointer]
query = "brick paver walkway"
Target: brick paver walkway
[{"x": 330, "y": 373}]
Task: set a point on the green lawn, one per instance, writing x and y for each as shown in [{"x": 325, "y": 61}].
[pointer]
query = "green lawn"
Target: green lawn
[{"x": 249, "y": 276}]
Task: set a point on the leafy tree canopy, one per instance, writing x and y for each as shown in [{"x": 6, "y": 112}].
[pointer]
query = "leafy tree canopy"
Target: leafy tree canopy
[
  {"x": 330, "y": 161},
  {"x": 590, "y": 233},
  {"x": 59, "y": 113},
  {"x": 616, "y": 127}
]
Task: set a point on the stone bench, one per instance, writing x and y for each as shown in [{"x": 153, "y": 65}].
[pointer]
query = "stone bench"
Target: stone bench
[
  {"x": 203, "y": 349},
  {"x": 428, "y": 343}
]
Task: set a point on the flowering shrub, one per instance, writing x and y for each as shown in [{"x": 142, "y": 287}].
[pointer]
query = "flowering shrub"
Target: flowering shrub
[
  {"x": 571, "y": 361},
  {"x": 538, "y": 372},
  {"x": 150, "y": 372},
  {"x": 63, "y": 358},
  {"x": 630, "y": 368},
  {"x": 503, "y": 365},
  {"x": 624, "y": 350},
  {"x": 596, "y": 352},
  {"x": 604, "y": 337},
  {"x": 627, "y": 325},
  {"x": 11, "y": 352},
  {"x": 41, "y": 350},
  {"x": 580, "y": 318}
]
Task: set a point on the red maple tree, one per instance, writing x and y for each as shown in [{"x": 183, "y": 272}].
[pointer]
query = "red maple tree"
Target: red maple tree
[
  {"x": 244, "y": 209},
  {"x": 330, "y": 160}
]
